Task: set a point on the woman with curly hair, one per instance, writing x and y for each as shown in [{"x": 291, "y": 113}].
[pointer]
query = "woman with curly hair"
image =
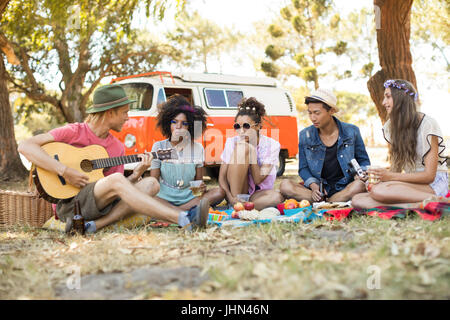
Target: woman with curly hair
[
  {"x": 250, "y": 159},
  {"x": 181, "y": 124},
  {"x": 418, "y": 168}
]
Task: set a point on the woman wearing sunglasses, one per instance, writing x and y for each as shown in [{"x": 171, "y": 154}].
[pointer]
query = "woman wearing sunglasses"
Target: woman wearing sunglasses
[
  {"x": 181, "y": 124},
  {"x": 250, "y": 159}
]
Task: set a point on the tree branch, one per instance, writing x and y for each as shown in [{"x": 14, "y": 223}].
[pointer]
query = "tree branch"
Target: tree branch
[{"x": 5, "y": 46}]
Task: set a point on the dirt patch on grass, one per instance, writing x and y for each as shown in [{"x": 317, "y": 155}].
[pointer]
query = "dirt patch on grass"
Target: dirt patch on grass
[{"x": 138, "y": 283}]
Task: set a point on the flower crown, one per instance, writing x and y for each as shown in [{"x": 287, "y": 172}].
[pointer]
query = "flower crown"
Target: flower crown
[{"x": 401, "y": 86}]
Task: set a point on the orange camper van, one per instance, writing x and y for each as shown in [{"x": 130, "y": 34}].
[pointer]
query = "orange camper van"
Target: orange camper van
[{"x": 219, "y": 95}]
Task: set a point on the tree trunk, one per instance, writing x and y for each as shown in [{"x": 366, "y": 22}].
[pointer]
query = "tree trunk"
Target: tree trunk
[
  {"x": 393, "y": 18},
  {"x": 72, "y": 101},
  {"x": 11, "y": 167}
]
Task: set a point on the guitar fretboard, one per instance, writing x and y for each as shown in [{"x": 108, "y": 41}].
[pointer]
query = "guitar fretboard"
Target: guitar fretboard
[{"x": 117, "y": 161}]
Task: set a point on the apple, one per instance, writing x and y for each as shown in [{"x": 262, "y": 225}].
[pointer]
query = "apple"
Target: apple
[
  {"x": 238, "y": 206},
  {"x": 249, "y": 206},
  {"x": 290, "y": 206},
  {"x": 235, "y": 215},
  {"x": 304, "y": 203}
]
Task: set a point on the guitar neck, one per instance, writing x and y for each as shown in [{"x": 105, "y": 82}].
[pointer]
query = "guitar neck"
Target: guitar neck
[{"x": 117, "y": 161}]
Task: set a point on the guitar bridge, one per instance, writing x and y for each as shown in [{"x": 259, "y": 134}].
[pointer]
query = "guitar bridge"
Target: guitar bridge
[{"x": 63, "y": 181}]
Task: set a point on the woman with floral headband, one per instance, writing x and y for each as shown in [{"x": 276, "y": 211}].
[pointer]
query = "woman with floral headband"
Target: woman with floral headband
[
  {"x": 181, "y": 124},
  {"x": 250, "y": 159},
  {"x": 418, "y": 168}
]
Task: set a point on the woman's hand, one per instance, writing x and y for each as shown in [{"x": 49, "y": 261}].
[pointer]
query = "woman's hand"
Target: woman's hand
[
  {"x": 232, "y": 200},
  {"x": 203, "y": 188},
  {"x": 382, "y": 174}
]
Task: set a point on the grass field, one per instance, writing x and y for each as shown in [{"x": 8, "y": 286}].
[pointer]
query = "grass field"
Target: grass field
[{"x": 360, "y": 258}]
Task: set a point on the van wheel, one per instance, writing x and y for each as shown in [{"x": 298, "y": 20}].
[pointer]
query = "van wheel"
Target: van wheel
[{"x": 282, "y": 159}]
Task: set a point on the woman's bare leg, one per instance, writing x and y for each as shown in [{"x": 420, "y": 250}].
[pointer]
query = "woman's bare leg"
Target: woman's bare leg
[
  {"x": 266, "y": 198},
  {"x": 237, "y": 173},
  {"x": 215, "y": 195},
  {"x": 296, "y": 191},
  {"x": 400, "y": 192},
  {"x": 365, "y": 201},
  {"x": 393, "y": 193}
]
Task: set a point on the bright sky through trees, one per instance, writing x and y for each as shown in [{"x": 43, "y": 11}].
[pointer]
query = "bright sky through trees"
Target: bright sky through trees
[{"x": 242, "y": 14}]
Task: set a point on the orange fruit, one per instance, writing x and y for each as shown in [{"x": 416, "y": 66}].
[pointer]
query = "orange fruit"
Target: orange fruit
[{"x": 288, "y": 203}]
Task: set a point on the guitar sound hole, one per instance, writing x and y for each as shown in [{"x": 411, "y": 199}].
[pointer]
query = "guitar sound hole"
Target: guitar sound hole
[{"x": 86, "y": 165}]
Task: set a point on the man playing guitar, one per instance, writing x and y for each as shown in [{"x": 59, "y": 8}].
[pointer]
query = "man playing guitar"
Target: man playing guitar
[{"x": 113, "y": 197}]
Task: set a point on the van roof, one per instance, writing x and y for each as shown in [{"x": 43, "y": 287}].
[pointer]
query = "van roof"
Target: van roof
[
  {"x": 229, "y": 79},
  {"x": 208, "y": 78}
]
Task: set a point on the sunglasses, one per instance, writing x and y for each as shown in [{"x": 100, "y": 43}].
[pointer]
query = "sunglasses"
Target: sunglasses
[{"x": 246, "y": 126}]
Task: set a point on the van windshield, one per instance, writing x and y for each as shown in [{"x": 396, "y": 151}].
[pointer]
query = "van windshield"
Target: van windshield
[{"x": 141, "y": 92}]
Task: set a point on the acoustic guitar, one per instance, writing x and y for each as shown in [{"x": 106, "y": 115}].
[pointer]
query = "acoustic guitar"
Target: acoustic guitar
[{"x": 90, "y": 160}]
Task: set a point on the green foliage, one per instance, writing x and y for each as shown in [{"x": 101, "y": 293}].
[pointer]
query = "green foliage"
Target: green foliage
[
  {"x": 361, "y": 46},
  {"x": 299, "y": 24},
  {"x": 432, "y": 29},
  {"x": 274, "y": 52},
  {"x": 340, "y": 48},
  {"x": 301, "y": 60},
  {"x": 275, "y": 31},
  {"x": 198, "y": 39},
  {"x": 354, "y": 107},
  {"x": 270, "y": 69},
  {"x": 335, "y": 20},
  {"x": 309, "y": 74},
  {"x": 286, "y": 13},
  {"x": 367, "y": 69},
  {"x": 87, "y": 40},
  {"x": 305, "y": 37}
]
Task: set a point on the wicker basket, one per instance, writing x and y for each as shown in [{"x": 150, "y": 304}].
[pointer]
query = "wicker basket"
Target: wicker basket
[{"x": 23, "y": 208}]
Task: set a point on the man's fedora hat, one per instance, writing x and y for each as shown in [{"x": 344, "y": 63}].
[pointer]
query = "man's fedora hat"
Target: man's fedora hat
[
  {"x": 108, "y": 97},
  {"x": 326, "y": 96}
]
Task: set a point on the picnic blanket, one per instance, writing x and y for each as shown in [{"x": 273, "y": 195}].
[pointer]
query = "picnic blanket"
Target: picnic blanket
[
  {"x": 428, "y": 210},
  {"x": 305, "y": 215}
]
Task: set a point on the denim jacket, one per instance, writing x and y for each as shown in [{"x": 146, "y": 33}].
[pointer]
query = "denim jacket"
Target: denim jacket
[{"x": 311, "y": 153}]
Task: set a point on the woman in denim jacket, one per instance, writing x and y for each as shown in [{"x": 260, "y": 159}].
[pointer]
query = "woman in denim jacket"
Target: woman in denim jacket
[{"x": 325, "y": 151}]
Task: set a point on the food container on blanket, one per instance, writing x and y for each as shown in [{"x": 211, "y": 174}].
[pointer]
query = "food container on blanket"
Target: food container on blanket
[
  {"x": 218, "y": 217},
  {"x": 243, "y": 197}
]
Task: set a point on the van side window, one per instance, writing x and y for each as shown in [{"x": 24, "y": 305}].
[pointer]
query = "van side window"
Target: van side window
[
  {"x": 234, "y": 97},
  {"x": 222, "y": 98},
  {"x": 161, "y": 97},
  {"x": 141, "y": 92}
]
